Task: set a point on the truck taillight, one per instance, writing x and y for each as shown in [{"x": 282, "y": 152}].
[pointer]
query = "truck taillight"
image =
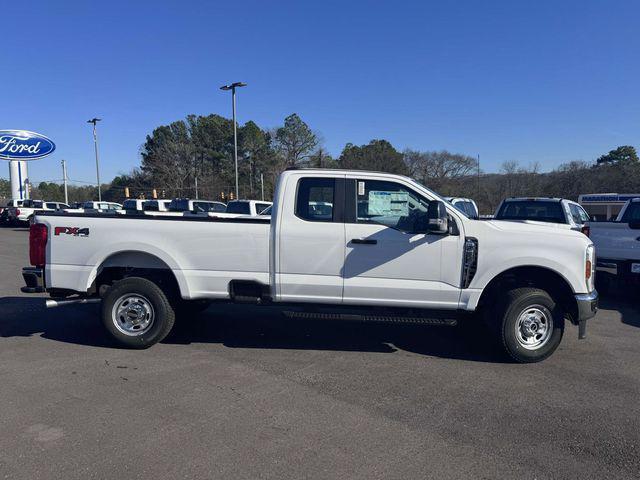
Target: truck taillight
[
  {"x": 17, "y": 212},
  {"x": 38, "y": 235}
]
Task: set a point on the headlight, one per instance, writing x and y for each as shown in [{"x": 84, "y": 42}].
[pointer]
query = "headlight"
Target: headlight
[{"x": 590, "y": 268}]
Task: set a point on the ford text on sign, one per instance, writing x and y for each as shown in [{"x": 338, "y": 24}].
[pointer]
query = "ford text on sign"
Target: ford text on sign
[{"x": 24, "y": 145}]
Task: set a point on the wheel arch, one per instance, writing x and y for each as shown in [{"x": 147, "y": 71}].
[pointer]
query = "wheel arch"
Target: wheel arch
[
  {"x": 535, "y": 276},
  {"x": 135, "y": 263}
]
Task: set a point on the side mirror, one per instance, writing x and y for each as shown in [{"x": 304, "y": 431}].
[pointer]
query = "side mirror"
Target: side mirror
[{"x": 438, "y": 218}]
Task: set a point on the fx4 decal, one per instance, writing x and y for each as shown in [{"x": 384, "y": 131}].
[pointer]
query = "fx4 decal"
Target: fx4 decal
[{"x": 74, "y": 231}]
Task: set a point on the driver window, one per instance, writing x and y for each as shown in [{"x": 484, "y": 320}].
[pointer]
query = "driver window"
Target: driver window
[{"x": 389, "y": 204}]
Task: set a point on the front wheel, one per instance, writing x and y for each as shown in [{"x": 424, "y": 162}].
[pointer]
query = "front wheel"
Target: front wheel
[
  {"x": 530, "y": 325},
  {"x": 137, "y": 313}
]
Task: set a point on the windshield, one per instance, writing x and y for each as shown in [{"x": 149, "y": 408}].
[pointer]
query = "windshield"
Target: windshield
[
  {"x": 632, "y": 213},
  {"x": 531, "y": 210}
]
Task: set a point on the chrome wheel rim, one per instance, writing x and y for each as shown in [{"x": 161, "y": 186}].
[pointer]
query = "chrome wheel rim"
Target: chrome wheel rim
[
  {"x": 534, "y": 327},
  {"x": 132, "y": 314}
]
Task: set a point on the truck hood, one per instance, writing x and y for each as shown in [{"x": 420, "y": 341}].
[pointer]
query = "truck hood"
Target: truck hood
[{"x": 532, "y": 227}]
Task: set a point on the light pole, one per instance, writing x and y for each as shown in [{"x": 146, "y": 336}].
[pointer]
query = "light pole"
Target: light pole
[
  {"x": 262, "y": 185},
  {"x": 64, "y": 180},
  {"x": 233, "y": 87},
  {"x": 94, "y": 121}
]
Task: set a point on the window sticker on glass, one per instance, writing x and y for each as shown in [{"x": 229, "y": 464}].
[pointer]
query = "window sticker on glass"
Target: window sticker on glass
[
  {"x": 360, "y": 188},
  {"x": 388, "y": 204}
]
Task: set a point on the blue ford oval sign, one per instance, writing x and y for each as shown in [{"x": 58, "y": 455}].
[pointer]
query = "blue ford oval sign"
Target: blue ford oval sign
[{"x": 24, "y": 145}]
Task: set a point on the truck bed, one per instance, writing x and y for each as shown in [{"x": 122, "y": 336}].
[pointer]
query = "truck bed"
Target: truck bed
[{"x": 204, "y": 253}]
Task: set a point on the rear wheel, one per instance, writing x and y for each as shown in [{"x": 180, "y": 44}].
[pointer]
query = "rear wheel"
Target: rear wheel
[
  {"x": 529, "y": 325},
  {"x": 137, "y": 313}
]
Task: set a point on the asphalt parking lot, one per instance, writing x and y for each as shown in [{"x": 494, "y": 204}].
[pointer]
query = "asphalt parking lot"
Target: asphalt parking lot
[{"x": 241, "y": 393}]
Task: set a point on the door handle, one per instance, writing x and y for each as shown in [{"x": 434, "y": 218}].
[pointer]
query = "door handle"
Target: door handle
[{"x": 364, "y": 241}]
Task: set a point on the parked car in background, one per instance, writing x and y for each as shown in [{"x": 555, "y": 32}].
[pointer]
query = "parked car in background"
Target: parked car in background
[
  {"x": 24, "y": 214},
  {"x": 558, "y": 212},
  {"x": 618, "y": 247},
  {"x": 465, "y": 205},
  {"x": 156, "y": 205},
  {"x": 196, "y": 206},
  {"x": 4, "y": 210},
  {"x": 94, "y": 207},
  {"x": 146, "y": 205},
  {"x": 348, "y": 245},
  {"x": 247, "y": 207}
]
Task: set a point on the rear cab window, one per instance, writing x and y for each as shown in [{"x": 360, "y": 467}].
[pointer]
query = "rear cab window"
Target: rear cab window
[
  {"x": 242, "y": 208},
  {"x": 150, "y": 206},
  {"x": 315, "y": 199},
  {"x": 540, "y": 210},
  {"x": 129, "y": 205},
  {"x": 261, "y": 207},
  {"x": 178, "y": 205}
]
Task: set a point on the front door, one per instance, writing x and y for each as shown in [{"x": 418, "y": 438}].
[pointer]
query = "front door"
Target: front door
[{"x": 386, "y": 263}]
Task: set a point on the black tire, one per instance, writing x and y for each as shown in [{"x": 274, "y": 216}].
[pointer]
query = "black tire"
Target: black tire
[
  {"x": 519, "y": 306},
  {"x": 162, "y": 313}
]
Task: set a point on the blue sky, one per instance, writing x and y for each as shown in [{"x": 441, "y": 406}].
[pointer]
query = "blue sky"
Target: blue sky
[{"x": 543, "y": 81}]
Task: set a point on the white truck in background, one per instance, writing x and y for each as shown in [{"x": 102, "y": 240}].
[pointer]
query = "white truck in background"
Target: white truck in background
[
  {"x": 247, "y": 207},
  {"x": 556, "y": 212},
  {"x": 618, "y": 246},
  {"x": 24, "y": 214},
  {"x": 382, "y": 248},
  {"x": 465, "y": 205}
]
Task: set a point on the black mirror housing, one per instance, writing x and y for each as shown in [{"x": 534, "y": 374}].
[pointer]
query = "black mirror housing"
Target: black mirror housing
[{"x": 438, "y": 218}]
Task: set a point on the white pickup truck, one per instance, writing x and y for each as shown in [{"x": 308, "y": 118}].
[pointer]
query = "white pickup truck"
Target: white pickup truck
[
  {"x": 247, "y": 207},
  {"x": 389, "y": 250},
  {"x": 618, "y": 245},
  {"x": 26, "y": 212},
  {"x": 556, "y": 212}
]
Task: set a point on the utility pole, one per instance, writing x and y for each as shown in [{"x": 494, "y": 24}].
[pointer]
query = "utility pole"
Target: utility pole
[
  {"x": 478, "y": 176},
  {"x": 94, "y": 121},
  {"x": 233, "y": 87},
  {"x": 64, "y": 180}
]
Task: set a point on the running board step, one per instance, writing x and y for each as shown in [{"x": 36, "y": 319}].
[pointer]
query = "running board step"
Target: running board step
[{"x": 447, "y": 322}]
